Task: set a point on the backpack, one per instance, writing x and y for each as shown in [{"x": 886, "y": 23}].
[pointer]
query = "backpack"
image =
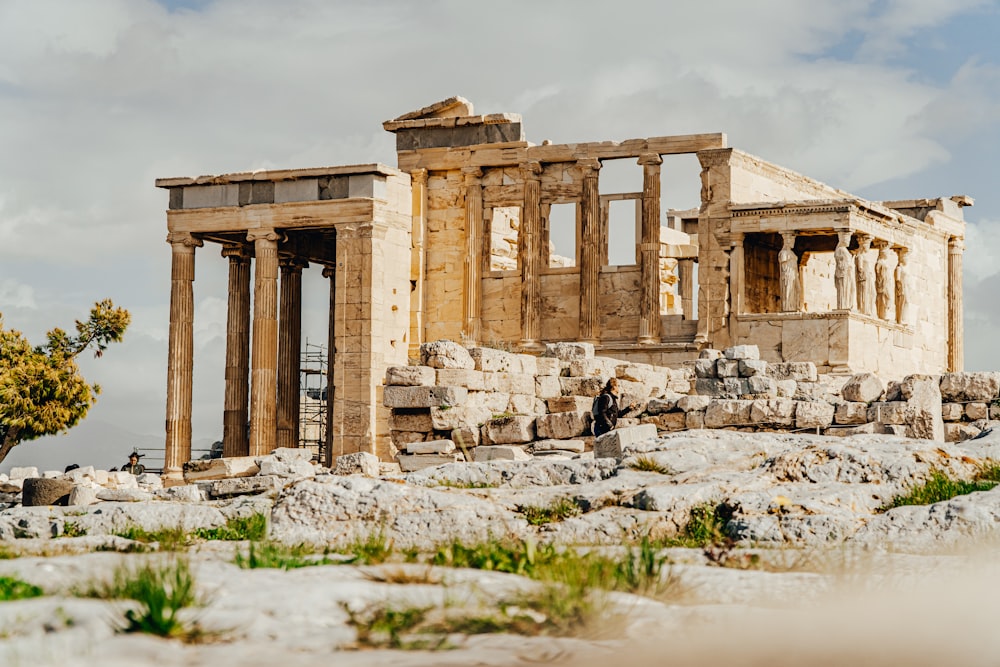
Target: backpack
[{"x": 601, "y": 405}]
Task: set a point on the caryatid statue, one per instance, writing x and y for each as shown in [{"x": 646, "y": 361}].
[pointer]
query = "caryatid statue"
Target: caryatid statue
[
  {"x": 865, "y": 275},
  {"x": 883, "y": 281},
  {"x": 843, "y": 276},
  {"x": 904, "y": 309},
  {"x": 788, "y": 268}
]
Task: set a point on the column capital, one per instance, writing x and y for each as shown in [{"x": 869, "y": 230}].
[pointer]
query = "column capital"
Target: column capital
[
  {"x": 956, "y": 244},
  {"x": 735, "y": 239},
  {"x": 901, "y": 252},
  {"x": 650, "y": 159},
  {"x": 472, "y": 174},
  {"x": 237, "y": 250},
  {"x": 419, "y": 176},
  {"x": 589, "y": 163},
  {"x": 329, "y": 271},
  {"x": 185, "y": 239},
  {"x": 532, "y": 170},
  {"x": 880, "y": 244},
  {"x": 864, "y": 241},
  {"x": 254, "y": 235},
  {"x": 292, "y": 263}
]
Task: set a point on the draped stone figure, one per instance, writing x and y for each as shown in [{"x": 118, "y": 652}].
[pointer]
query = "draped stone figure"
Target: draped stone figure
[
  {"x": 904, "y": 309},
  {"x": 865, "y": 276},
  {"x": 788, "y": 265},
  {"x": 883, "y": 282},
  {"x": 843, "y": 276}
]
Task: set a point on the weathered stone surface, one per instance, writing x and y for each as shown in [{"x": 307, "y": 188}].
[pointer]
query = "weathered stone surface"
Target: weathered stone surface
[
  {"x": 668, "y": 421},
  {"x": 952, "y": 412},
  {"x": 494, "y": 361},
  {"x": 516, "y": 429},
  {"x": 569, "y": 351},
  {"x": 431, "y": 447},
  {"x": 120, "y": 479},
  {"x": 923, "y": 406},
  {"x": 892, "y": 412},
  {"x": 447, "y": 418},
  {"x": 772, "y": 412},
  {"x": 23, "y": 472},
  {"x": 461, "y": 377},
  {"x": 693, "y": 403},
  {"x": 423, "y": 397},
  {"x": 658, "y": 406},
  {"x": 961, "y": 387},
  {"x": 409, "y": 376},
  {"x": 191, "y": 493},
  {"x": 402, "y": 438},
  {"x": 562, "y": 425},
  {"x": 486, "y": 453},
  {"x": 271, "y": 465},
  {"x": 846, "y": 431},
  {"x": 589, "y": 386},
  {"x": 412, "y": 462},
  {"x": 597, "y": 367},
  {"x": 570, "y": 404},
  {"x": 694, "y": 420},
  {"x": 510, "y": 383},
  {"x": 232, "y": 466},
  {"x": 547, "y": 386},
  {"x": 466, "y": 437},
  {"x": 709, "y": 353},
  {"x": 445, "y": 354},
  {"x": 759, "y": 386},
  {"x": 39, "y": 492},
  {"x": 82, "y": 496},
  {"x": 614, "y": 443},
  {"x": 974, "y": 411},
  {"x": 712, "y": 388},
  {"x": 786, "y": 388},
  {"x": 357, "y": 463},
  {"x": 727, "y": 368},
  {"x": 727, "y": 413},
  {"x": 813, "y": 414},
  {"x": 526, "y": 404},
  {"x": 742, "y": 352},
  {"x": 124, "y": 495},
  {"x": 863, "y": 388},
  {"x": 558, "y": 445},
  {"x": 958, "y": 432},
  {"x": 238, "y": 486},
  {"x": 149, "y": 481},
  {"x": 851, "y": 413},
  {"x": 704, "y": 368},
  {"x": 411, "y": 421},
  {"x": 752, "y": 367},
  {"x": 547, "y": 366},
  {"x": 800, "y": 371}
]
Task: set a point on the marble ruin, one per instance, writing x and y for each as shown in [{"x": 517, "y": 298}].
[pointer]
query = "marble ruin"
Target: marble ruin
[{"x": 456, "y": 243}]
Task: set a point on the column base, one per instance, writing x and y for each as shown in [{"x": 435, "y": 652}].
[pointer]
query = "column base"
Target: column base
[
  {"x": 531, "y": 346},
  {"x": 172, "y": 477},
  {"x": 648, "y": 340}
]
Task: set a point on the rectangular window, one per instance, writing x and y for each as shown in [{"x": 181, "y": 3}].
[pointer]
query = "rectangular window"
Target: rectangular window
[
  {"x": 505, "y": 224},
  {"x": 562, "y": 234},
  {"x": 623, "y": 219}
]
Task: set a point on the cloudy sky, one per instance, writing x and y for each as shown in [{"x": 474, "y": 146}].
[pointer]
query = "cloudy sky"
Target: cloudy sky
[{"x": 890, "y": 99}]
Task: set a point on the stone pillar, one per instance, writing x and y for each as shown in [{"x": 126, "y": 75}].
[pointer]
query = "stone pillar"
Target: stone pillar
[
  {"x": 329, "y": 459},
  {"x": 234, "y": 420},
  {"x": 956, "y": 329},
  {"x": 685, "y": 289},
  {"x": 418, "y": 259},
  {"x": 904, "y": 308},
  {"x": 649, "y": 247},
  {"x": 529, "y": 257},
  {"x": 843, "y": 276},
  {"x": 473, "y": 292},
  {"x": 289, "y": 351},
  {"x": 264, "y": 354},
  {"x": 180, "y": 355},
  {"x": 865, "y": 276},
  {"x": 788, "y": 273},
  {"x": 590, "y": 251},
  {"x": 883, "y": 281},
  {"x": 737, "y": 280}
]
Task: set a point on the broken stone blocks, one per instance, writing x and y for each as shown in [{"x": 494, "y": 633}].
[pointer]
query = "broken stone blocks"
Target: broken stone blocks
[
  {"x": 423, "y": 397},
  {"x": 614, "y": 443},
  {"x": 357, "y": 463},
  {"x": 562, "y": 425},
  {"x": 515, "y": 429}
]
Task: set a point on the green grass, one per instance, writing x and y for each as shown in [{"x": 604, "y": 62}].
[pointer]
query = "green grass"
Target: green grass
[
  {"x": 648, "y": 464},
  {"x": 73, "y": 529},
  {"x": 253, "y": 528},
  {"x": 15, "y": 589},
  {"x": 277, "y": 556},
  {"x": 168, "y": 539},
  {"x": 706, "y": 527},
  {"x": 939, "y": 487},
  {"x": 161, "y": 592},
  {"x": 559, "y": 510},
  {"x": 371, "y": 549}
]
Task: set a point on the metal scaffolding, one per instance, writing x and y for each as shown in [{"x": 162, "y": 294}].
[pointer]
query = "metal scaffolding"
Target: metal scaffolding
[{"x": 312, "y": 406}]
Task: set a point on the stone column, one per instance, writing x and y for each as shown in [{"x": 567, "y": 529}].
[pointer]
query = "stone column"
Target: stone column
[
  {"x": 685, "y": 289},
  {"x": 329, "y": 459},
  {"x": 289, "y": 351},
  {"x": 737, "y": 280},
  {"x": 473, "y": 292},
  {"x": 843, "y": 276},
  {"x": 418, "y": 261},
  {"x": 649, "y": 247},
  {"x": 865, "y": 276},
  {"x": 883, "y": 281},
  {"x": 956, "y": 329},
  {"x": 529, "y": 256},
  {"x": 904, "y": 308},
  {"x": 180, "y": 355},
  {"x": 788, "y": 273},
  {"x": 590, "y": 251},
  {"x": 234, "y": 420},
  {"x": 264, "y": 354}
]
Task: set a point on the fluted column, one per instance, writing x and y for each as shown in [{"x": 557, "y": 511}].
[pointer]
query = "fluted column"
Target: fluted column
[
  {"x": 530, "y": 256},
  {"x": 956, "y": 328},
  {"x": 473, "y": 252},
  {"x": 234, "y": 419},
  {"x": 289, "y": 350},
  {"x": 330, "y": 272},
  {"x": 418, "y": 263},
  {"x": 264, "y": 354},
  {"x": 590, "y": 251},
  {"x": 180, "y": 354},
  {"x": 649, "y": 246}
]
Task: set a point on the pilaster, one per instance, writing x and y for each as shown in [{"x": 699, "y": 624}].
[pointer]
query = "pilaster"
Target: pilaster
[
  {"x": 418, "y": 258},
  {"x": 956, "y": 329},
  {"x": 473, "y": 292},
  {"x": 234, "y": 421},
  {"x": 649, "y": 251},
  {"x": 180, "y": 354},
  {"x": 590, "y": 250},
  {"x": 530, "y": 256}
]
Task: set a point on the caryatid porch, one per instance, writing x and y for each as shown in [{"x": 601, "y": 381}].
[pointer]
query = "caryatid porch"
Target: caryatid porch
[{"x": 354, "y": 222}]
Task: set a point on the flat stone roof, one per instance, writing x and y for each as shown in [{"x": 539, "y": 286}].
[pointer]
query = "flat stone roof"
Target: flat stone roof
[{"x": 280, "y": 175}]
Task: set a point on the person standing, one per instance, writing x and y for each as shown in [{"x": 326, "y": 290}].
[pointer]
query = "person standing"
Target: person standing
[
  {"x": 606, "y": 408},
  {"x": 133, "y": 466}
]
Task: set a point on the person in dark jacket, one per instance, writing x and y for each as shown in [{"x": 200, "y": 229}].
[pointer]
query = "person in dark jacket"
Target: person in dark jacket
[
  {"x": 133, "y": 466},
  {"x": 606, "y": 408}
]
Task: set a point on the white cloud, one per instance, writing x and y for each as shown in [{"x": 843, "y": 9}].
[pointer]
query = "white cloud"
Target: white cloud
[{"x": 16, "y": 295}]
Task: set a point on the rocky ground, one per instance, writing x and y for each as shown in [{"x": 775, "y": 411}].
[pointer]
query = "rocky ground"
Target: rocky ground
[{"x": 765, "y": 546}]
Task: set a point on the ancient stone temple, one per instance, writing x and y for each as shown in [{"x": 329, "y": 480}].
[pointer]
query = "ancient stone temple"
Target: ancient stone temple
[{"x": 457, "y": 243}]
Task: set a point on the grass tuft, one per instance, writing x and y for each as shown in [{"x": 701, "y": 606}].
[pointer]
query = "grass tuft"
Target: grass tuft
[
  {"x": 561, "y": 509},
  {"x": 939, "y": 487},
  {"x": 168, "y": 539},
  {"x": 277, "y": 556},
  {"x": 73, "y": 529},
  {"x": 649, "y": 464},
  {"x": 253, "y": 528},
  {"x": 15, "y": 589}
]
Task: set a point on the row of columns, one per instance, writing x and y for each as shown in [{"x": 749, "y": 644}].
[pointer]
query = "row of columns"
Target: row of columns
[
  {"x": 593, "y": 244},
  {"x": 262, "y": 380}
]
